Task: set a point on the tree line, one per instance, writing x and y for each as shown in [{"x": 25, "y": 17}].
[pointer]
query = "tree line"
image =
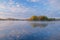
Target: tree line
[{"x": 41, "y": 18}]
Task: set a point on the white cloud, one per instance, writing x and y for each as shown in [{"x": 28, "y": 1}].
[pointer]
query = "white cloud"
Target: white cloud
[
  {"x": 55, "y": 3},
  {"x": 12, "y": 9}
]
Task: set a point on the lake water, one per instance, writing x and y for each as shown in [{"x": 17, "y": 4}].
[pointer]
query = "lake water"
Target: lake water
[{"x": 29, "y": 30}]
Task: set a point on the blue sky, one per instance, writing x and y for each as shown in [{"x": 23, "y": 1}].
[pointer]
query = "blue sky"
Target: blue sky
[{"x": 27, "y": 8}]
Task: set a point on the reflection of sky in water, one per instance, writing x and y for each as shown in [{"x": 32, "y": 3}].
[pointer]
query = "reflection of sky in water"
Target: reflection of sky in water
[{"x": 23, "y": 30}]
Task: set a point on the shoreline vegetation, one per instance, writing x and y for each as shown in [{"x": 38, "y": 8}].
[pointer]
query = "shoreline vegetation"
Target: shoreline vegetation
[
  {"x": 32, "y": 18},
  {"x": 41, "y": 18}
]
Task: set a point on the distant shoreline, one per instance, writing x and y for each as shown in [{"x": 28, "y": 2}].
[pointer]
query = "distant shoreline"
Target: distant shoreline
[
  {"x": 32, "y": 18},
  {"x": 24, "y": 20}
]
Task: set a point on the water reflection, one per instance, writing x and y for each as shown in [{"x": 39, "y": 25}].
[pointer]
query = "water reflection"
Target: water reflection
[
  {"x": 41, "y": 25},
  {"x": 19, "y": 30}
]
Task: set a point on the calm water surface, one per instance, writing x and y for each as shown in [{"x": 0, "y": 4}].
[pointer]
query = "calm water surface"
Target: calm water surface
[{"x": 24, "y": 30}]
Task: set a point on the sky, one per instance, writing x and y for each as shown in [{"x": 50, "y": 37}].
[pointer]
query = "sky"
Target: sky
[{"x": 28, "y": 8}]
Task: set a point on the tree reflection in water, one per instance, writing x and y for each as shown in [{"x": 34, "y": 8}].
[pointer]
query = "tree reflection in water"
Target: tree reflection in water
[{"x": 41, "y": 25}]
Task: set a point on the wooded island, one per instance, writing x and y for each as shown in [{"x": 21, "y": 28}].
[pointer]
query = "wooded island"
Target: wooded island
[{"x": 41, "y": 18}]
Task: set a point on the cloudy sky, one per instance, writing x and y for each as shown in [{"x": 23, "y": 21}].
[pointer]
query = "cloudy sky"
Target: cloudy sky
[{"x": 27, "y": 8}]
